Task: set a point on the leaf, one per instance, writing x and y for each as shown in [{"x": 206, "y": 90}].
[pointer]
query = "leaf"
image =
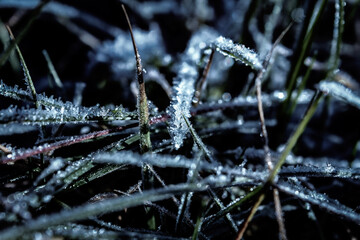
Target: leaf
[
  {"x": 184, "y": 85},
  {"x": 321, "y": 200},
  {"x": 340, "y": 92},
  {"x": 237, "y": 51}
]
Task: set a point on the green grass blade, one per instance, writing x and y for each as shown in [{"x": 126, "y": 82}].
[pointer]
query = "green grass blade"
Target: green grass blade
[
  {"x": 52, "y": 69},
  {"x": 295, "y": 136},
  {"x": 305, "y": 46},
  {"x": 28, "y": 78},
  {"x": 34, "y": 14},
  {"x": 143, "y": 108}
]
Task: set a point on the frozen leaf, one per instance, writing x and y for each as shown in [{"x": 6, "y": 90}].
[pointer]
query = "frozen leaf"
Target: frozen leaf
[
  {"x": 184, "y": 85},
  {"x": 93, "y": 209},
  {"x": 120, "y": 53},
  {"x": 126, "y": 157},
  {"x": 341, "y": 92},
  {"x": 237, "y": 51},
  {"x": 62, "y": 113},
  {"x": 329, "y": 171},
  {"x": 321, "y": 200},
  {"x": 14, "y": 92}
]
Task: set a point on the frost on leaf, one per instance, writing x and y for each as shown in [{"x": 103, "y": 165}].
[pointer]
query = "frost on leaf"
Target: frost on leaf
[
  {"x": 56, "y": 111},
  {"x": 120, "y": 54},
  {"x": 14, "y": 92},
  {"x": 184, "y": 85},
  {"x": 341, "y": 92},
  {"x": 237, "y": 51}
]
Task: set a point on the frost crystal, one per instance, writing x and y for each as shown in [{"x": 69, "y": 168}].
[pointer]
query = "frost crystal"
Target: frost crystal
[
  {"x": 237, "y": 51},
  {"x": 184, "y": 85},
  {"x": 120, "y": 53},
  {"x": 341, "y": 92},
  {"x": 56, "y": 111}
]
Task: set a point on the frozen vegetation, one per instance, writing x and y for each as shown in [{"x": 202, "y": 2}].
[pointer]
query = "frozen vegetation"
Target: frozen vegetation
[{"x": 221, "y": 164}]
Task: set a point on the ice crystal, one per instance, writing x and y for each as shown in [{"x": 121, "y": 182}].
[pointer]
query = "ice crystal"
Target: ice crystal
[
  {"x": 120, "y": 53},
  {"x": 55, "y": 110},
  {"x": 340, "y": 91},
  {"x": 237, "y": 51},
  {"x": 184, "y": 85}
]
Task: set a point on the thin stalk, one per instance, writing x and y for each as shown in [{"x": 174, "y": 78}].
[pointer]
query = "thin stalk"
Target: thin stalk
[
  {"x": 305, "y": 46},
  {"x": 302, "y": 84},
  {"x": 339, "y": 23},
  {"x": 52, "y": 69},
  {"x": 145, "y": 142},
  {"x": 295, "y": 136},
  {"x": 34, "y": 14},
  {"x": 197, "y": 228},
  {"x": 250, "y": 216},
  {"x": 258, "y": 190},
  {"x": 291, "y": 143},
  {"x": 28, "y": 79},
  {"x": 202, "y": 81},
  {"x": 198, "y": 140},
  {"x": 266, "y": 146},
  {"x": 64, "y": 143},
  {"x": 143, "y": 111},
  {"x": 279, "y": 214},
  {"x": 229, "y": 218}
]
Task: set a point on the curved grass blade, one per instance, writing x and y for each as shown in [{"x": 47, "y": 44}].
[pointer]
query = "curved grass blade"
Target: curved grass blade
[
  {"x": 305, "y": 46},
  {"x": 321, "y": 200},
  {"x": 52, "y": 69},
  {"x": 143, "y": 108},
  {"x": 93, "y": 209},
  {"x": 28, "y": 79},
  {"x": 238, "y": 52},
  {"x": 340, "y": 92},
  {"x": 34, "y": 14}
]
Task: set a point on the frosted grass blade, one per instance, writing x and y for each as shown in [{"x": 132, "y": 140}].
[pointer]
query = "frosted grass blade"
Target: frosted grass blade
[
  {"x": 340, "y": 92},
  {"x": 237, "y": 51}
]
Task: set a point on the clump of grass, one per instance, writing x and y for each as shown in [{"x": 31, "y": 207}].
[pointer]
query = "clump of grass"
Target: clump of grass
[{"x": 233, "y": 152}]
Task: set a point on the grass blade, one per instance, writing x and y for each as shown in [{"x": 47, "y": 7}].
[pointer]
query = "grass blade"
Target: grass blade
[
  {"x": 340, "y": 92},
  {"x": 143, "y": 108},
  {"x": 295, "y": 136},
  {"x": 52, "y": 69},
  {"x": 34, "y": 14},
  {"x": 237, "y": 51},
  {"x": 305, "y": 46},
  {"x": 28, "y": 79},
  {"x": 339, "y": 23}
]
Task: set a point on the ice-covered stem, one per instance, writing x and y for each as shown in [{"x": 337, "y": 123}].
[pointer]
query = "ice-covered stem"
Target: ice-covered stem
[
  {"x": 202, "y": 81},
  {"x": 339, "y": 23},
  {"x": 28, "y": 79},
  {"x": 64, "y": 143},
  {"x": 34, "y": 13},
  {"x": 238, "y": 51},
  {"x": 268, "y": 160},
  {"x": 145, "y": 142}
]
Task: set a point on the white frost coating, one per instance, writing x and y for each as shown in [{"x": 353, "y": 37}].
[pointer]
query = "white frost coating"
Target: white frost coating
[
  {"x": 340, "y": 91},
  {"x": 55, "y": 165},
  {"x": 126, "y": 157},
  {"x": 120, "y": 53},
  {"x": 238, "y": 51},
  {"x": 184, "y": 85}
]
